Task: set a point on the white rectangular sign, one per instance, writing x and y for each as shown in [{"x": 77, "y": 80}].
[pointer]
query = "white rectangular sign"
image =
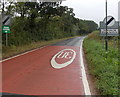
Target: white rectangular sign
[{"x": 110, "y": 32}]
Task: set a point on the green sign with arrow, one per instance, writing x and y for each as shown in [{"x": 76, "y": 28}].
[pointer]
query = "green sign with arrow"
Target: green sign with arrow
[{"x": 6, "y": 29}]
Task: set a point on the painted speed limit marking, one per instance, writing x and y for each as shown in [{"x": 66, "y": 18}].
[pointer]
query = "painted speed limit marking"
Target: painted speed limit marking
[{"x": 63, "y": 58}]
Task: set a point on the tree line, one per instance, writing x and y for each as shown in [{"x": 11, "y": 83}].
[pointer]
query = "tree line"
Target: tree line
[{"x": 43, "y": 21}]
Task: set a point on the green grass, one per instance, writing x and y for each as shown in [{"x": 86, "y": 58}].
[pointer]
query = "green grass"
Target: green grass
[
  {"x": 102, "y": 65},
  {"x": 14, "y": 50}
]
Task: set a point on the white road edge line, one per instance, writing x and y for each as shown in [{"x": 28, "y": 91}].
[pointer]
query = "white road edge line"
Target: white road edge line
[
  {"x": 84, "y": 77},
  {"x": 22, "y": 54}
]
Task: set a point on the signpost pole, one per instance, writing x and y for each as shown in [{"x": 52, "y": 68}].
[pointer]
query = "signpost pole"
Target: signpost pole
[
  {"x": 106, "y": 38},
  {"x": 1, "y": 54},
  {"x": 6, "y": 39}
]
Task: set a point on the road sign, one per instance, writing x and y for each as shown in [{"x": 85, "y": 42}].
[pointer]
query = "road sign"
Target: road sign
[
  {"x": 103, "y": 25},
  {"x": 6, "y": 29},
  {"x": 111, "y": 30},
  {"x": 110, "y": 21},
  {"x": 6, "y": 19}
]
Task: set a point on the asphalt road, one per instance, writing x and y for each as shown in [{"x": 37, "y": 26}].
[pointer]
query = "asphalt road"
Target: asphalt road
[
  {"x": 51, "y": 70},
  {"x": 70, "y": 42}
]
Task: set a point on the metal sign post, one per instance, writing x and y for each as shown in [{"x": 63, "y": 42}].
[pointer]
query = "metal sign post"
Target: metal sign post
[
  {"x": 106, "y": 40},
  {"x": 6, "y": 39},
  {"x": 109, "y": 27},
  {"x": 6, "y": 21}
]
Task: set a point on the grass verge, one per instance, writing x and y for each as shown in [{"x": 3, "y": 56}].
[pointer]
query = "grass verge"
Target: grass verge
[
  {"x": 102, "y": 65},
  {"x": 13, "y": 50}
]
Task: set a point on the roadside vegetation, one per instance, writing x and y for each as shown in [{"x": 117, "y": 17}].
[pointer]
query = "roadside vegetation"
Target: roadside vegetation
[
  {"x": 103, "y": 65},
  {"x": 35, "y": 22},
  {"x": 14, "y": 50}
]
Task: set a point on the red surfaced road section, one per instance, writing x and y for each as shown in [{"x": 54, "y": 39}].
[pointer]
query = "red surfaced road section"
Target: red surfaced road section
[{"x": 32, "y": 74}]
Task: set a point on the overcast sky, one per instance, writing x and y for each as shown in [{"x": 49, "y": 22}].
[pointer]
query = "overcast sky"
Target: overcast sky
[{"x": 93, "y": 9}]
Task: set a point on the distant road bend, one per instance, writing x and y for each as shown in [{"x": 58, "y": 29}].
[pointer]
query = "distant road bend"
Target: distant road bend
[{"x": 52, "y": 70}]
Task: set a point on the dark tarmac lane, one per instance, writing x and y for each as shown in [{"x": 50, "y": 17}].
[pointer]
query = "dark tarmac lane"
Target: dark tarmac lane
[{"x": 70, "y": 42}]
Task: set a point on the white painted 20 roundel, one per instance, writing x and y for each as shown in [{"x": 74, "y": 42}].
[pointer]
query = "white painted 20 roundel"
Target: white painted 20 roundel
[{"x": 68, "y": 55}]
